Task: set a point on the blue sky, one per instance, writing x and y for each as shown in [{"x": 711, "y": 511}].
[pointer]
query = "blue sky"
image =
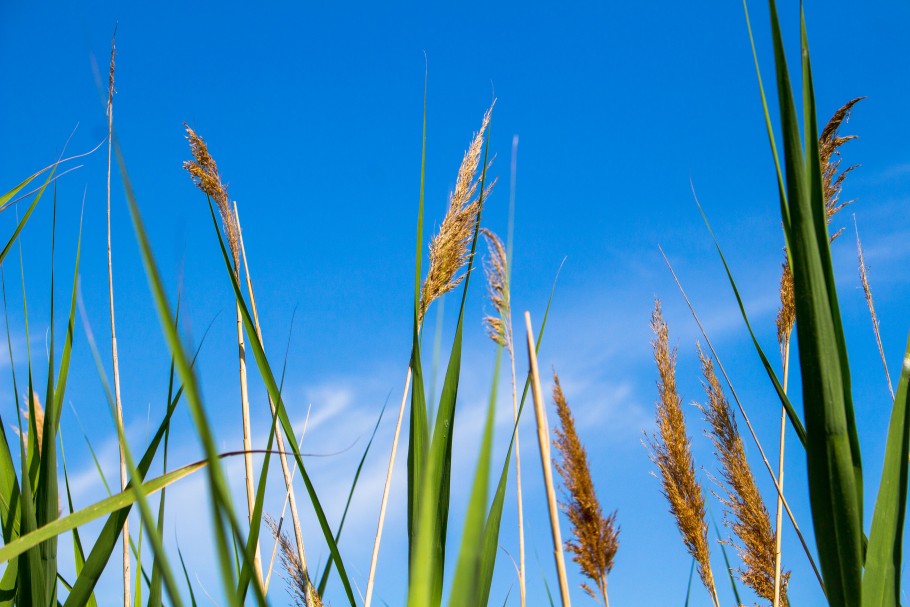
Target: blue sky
[{"x": 314, "y": 116}]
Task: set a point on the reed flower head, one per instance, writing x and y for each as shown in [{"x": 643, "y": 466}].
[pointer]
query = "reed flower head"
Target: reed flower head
[
  {"x": 495, "y": 268},
  {"x": 596, "y": 538},
  {"x": 39, "y": 422},
  {"x": 671, "y": 451},
  {"x": 204, "y": 172},
  {"x": 300, "y": 587},
  {"x": 449, "y": 249},
  {"x": 745, "y": 513}
]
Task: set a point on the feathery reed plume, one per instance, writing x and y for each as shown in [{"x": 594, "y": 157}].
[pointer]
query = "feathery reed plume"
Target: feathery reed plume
[
  {"x": 596, "y": 536},
  {"x": 671, "y": 452},
  {"x": 867, "y": 291},
  {"x": 449, "y": 249},
  {"x": 499, "y": 328},
  {"x": 118, "y": 403},
  {"x": 204, "y": 172},
  {"x": 448, "y": 254},
  {"x": 745, "y": 513},
  {"x": 300, "y": 587},
  {"x": 497, "y": 289}
]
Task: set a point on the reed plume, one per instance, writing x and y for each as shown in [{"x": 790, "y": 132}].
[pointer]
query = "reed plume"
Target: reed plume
[
  {"x": 671, "y": 452},
  {"x": 299, "y": 585},
  {"x": 745, "y": 513},
  {"x": 498, "y": 327},
  {"x": 204, "y": 172},
  {"x": 596, "y": 538},
  {"x": 449, "y": 249},
  {"x": 867, "y": 291},
  {"x": 39, "y": 423}
]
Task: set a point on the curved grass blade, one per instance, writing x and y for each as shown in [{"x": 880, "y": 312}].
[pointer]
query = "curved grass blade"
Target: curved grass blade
[
  {"x": 189, "y": 584},
  {"x": 78, "y": 552},
  {"x": 723, "y": 549},
  {"x": 884, "y": 556}
]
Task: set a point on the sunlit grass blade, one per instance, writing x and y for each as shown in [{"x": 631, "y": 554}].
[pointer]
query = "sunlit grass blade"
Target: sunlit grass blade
[
  {"x": 884, "y": 556},
  {"x": 78, "y": 552},
  {"x": 324, "y": 578}
]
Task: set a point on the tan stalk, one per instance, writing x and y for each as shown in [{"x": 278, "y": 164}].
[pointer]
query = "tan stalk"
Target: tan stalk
[
  {"x": 867, "y": 291},
  {"x": 742, "y": 411},
  {"x": 279, "y": 435},
  {"x": 449, "y": 254},
  {"x": 118, "y": 405},
  {"x": 543, "y": 440},
  {"x": 204, "y": 172}
]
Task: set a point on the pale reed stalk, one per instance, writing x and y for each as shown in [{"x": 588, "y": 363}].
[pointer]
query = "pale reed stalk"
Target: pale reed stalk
[
  {"x": 279, "y": 434},
  {"x": 543, "y": 439},
  {"x": 118, "y": 404}
]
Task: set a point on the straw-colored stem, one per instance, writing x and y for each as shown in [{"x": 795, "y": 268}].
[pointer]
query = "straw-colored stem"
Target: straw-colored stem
[
  {"x": 279, "y": 435},
  {"x": 742, "y": 410},
  {"x": 247, "y": 440},
  {"x": 522, "y": 587},
  {"x": 385, "y": 493},
  {"x": 127, "y": 577},
  {"x": 778, "y": 523},
  {"x": 543, "y": 438}
]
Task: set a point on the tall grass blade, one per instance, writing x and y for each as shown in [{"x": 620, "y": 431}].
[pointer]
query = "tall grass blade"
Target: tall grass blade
[{"x": 884, "y": 556}]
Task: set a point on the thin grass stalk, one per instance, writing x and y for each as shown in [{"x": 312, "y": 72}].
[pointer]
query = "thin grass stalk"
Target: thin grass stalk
[
  {"x": 867, "y": 291},
  {"x": 127, "y": 601},
  {"x": 522, "y": 569},
  {"x": 268, "y": 574},
  {"x": 543, "y": 439},
  {"x": 742, "y": 411},
  {"x": 778, "y": 519},
  {"x": 285, "y": 469}
]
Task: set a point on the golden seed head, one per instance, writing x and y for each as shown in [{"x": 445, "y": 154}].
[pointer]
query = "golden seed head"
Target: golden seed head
[
  {"x": 39, "y": 422},
  {"x": 786, "y": 314},
  {"x": 204, "y": 172},
  {"x": 672, "y": 453},
  {"x": 498, "y": 327},
  {"x": 745, "y": 513},
  {"x": 596, "y": 538},
  {"x": 449, "y": 249},
  {"x": 300, "y": 587},
  {"x": 829, "y": 143}
]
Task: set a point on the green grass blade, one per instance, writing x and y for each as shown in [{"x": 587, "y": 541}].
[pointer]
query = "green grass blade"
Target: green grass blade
[
  {"x": 689, "y": 585},
  {"x": 882, "y": 580},
  {"x": 723, "y": 549},
  {"x": 466, "y": 585},
  {"x": 832, "y": 449},
  {"x": 186, "y": 575},
  {"x": 324, "y": 578},
  {"x": 78, "y": 552}
]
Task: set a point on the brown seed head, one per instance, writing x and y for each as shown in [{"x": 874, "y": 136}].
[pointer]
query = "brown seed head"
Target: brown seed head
[
  {"x": 745, "y": 512},
  {"x": 596, "y": 538},
  {"x": 300, "y": 587},
  {"x": 39, "y": 422},
  {"x": 498, "y": 327},
  {"x": 204, "y": 172},
  {"x": 786, "y": 315},
  {"x": 449, "y": 249},
  {"x": 672, "y": 453}
]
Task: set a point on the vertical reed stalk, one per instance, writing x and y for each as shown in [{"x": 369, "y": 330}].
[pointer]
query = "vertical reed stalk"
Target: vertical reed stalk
[
  {"x": 279, "y": 435},
  {"x": 127, "y": 577},
  {"x": 543, "y": 439},
  {"x": 779, "y": 515}
]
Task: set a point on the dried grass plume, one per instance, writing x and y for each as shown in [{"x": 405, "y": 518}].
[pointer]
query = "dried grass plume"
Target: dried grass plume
[
  {"x": 495, "y": 268},
  {"x": 672, "y": 453},
  {"x": 204, "y": 172},
  {"x": 300, "y": 587},
  {"x": 596, "y": 538},
  {"x": 745, "y": 513},
  {"x": 449, "y": 249}
]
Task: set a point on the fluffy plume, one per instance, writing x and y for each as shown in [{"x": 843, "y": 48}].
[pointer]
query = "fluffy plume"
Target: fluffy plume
[
  {"x": 671, "y": 452},
  {"x": 300, "y": 587},
  {"x": 596, "y": 537},
  {"x": 498, "y": 327},
  {"x": 745, "y": 513},
  {"x": 449, "y": 249},
  {"x": 39, "y": 422},
  {"x": 204, "y": 173},
  {"x": 829, "y": 143}
]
